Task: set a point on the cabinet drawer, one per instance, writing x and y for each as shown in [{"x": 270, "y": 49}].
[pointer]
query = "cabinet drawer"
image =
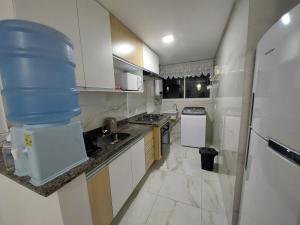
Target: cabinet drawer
[
  {"x": 149, "y": 159},
  {"x": 149, "y": 155},
  {"x": 148, "y": 137},
  {"x": 149, "y": 147}
]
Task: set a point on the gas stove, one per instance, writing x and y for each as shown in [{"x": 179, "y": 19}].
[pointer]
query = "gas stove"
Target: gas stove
[{"x": 150, "y": 118}]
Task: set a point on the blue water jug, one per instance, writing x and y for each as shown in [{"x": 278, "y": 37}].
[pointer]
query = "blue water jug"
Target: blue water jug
[{"x": 37, "y": 74}]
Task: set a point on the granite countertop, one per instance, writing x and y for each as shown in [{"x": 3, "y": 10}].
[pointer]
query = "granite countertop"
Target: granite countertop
[{"x": 97, "y": 161}]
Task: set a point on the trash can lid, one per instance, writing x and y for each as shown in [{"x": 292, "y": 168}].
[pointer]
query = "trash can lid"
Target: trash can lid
[{"x": 207, "y": 151}]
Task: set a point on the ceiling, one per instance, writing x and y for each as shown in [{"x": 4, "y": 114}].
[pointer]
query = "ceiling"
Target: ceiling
[{"x": 197, "y": 25}]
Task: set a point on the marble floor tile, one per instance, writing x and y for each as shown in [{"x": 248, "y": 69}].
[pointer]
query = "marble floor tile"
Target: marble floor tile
[
  {"x": 179, "y": 192},
  {"x": 169, "y": 212},
  {"x": 210, "y": 175},
  {"x": 172, "y": 163},
  {"x": 182, "y": 188},
  {"x": 192, "y": 167},
  {"x": 213, "y": 218},
  {"x": 162, "y": 211},
  {"x": 212, "y": 198},
  {"x": 154, "y": 181},
  {"x": 139, "y": 210}
]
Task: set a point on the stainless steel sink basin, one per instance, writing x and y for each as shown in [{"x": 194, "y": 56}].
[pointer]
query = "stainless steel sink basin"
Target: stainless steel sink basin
[{"x": 112, "y": 139}]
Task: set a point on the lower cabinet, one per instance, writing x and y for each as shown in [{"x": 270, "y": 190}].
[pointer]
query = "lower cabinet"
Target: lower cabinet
[
  {"x": 137, "y": 162},
  {"x": 120, "y": 180},
  {"x": 125, "y": 173},
  {"x": 100, "y": 198},
  {"x": 110, "y": 188},
  {"x": 149, "y": 150}
]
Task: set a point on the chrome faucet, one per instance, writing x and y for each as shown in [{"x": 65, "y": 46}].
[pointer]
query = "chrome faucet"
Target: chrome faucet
[
  {"x": 110, "y": 124},
  {"x": 176, "y": 107},
  {"x": 104, "y": 132}
]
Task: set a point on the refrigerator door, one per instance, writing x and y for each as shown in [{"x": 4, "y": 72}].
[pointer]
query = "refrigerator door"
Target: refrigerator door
[
  {"x": 277, "y": 82},
  {"x": 271, "y": 187},
  {"x": 262, "y": 85}
]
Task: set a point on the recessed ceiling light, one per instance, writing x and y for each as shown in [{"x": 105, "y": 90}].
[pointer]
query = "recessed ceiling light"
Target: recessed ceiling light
[
  {"x": 286, "y": 19},
  {"x": 168, "y": 39}
]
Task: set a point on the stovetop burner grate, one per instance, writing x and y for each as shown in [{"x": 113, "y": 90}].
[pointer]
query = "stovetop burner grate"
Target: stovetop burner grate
[{"x": 150, "y": 117}]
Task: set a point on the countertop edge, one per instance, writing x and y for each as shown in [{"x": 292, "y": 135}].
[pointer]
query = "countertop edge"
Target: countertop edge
[{"x": 72, "y": 174}]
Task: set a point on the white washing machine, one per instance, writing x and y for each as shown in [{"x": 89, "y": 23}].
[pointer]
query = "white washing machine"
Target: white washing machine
[{"x": 193, "y": 126}]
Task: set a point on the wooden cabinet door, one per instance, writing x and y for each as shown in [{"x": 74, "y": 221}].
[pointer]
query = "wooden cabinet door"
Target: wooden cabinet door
[
  {"x": 95, "y": 34},
  {"x": 59, "y": 14},
  {"x": 125, "y": 43},
  {"x": 120, "y": 180},
  {"x": 137, "y": 162},
  {"x": 157, "y": 143},
  {"x": 100, "y": 198},
  {"x": 149, "y": 150},
  {"x": 151, "y": 60}
]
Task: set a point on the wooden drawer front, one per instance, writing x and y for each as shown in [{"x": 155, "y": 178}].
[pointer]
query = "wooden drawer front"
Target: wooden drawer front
[
  {"x": 148, "y": 137},
  {"x": 149, "y": 159},
  {"x": 149, "y": 155}
]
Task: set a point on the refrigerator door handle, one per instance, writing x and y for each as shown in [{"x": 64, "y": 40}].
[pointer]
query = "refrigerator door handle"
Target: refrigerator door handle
[
  {"x": 248, "y": 167},
  {"x": 285, "y": 152},
  {"x": 249, "y": 130}
]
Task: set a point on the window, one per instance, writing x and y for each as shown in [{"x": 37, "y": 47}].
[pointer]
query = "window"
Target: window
[
  {"x": 195, "y": 87},
  {"x": 173, "y": 88}
]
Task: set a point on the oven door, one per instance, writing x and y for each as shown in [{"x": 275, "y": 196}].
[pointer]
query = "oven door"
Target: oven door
[{"x": 165, "y": 139}]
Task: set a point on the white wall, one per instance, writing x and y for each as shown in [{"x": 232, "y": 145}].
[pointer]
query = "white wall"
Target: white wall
[
  {"x": 228, "y": 100},
  {"x": 235, "y": 56}
]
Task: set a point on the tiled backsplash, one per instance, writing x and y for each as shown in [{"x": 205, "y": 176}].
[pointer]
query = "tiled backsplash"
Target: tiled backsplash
[{"x": 96, "y": 106}]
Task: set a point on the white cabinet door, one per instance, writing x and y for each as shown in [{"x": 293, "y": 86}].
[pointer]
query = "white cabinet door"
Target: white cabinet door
[
  {"x": 120, "y": 180},
  {"x": 151, "y": 60},
  {"x": 59, "y": 14},
  {"x": 7, "y": 9},
  {"x": 137, "y": 162},
  {"x": 94, "y": 25}
]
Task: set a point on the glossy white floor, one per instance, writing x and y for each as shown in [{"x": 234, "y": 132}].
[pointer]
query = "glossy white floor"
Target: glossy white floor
[{"x": 178, "y": 192}]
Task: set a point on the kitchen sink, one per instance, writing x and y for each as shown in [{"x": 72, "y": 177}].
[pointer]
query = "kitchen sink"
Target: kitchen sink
[{"x": 112, "y": 139}]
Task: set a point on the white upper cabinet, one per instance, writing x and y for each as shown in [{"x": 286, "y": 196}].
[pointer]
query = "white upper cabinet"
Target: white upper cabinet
[
  {"x": 59, "y": 14},
  {"x": 151, "y": 60},
  {"x": 94, "y": 26},
  {"x": 6, "y": 9}
]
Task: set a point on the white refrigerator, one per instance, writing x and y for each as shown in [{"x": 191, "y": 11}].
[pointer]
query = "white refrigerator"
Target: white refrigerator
[{"x": 271, "y": 190}]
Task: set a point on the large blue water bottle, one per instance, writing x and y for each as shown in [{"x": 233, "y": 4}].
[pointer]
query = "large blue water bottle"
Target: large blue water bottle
[{"x": 37, "y": 74}]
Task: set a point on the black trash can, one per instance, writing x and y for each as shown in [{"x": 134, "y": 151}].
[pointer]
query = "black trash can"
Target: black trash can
[{"x": 207, "y": 158}]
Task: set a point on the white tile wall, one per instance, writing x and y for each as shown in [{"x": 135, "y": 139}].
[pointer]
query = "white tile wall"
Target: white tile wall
[{"x": 96, "y": 106}]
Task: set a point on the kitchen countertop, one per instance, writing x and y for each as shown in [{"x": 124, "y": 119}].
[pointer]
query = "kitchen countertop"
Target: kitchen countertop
[{"x": 97, "y": 161}]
